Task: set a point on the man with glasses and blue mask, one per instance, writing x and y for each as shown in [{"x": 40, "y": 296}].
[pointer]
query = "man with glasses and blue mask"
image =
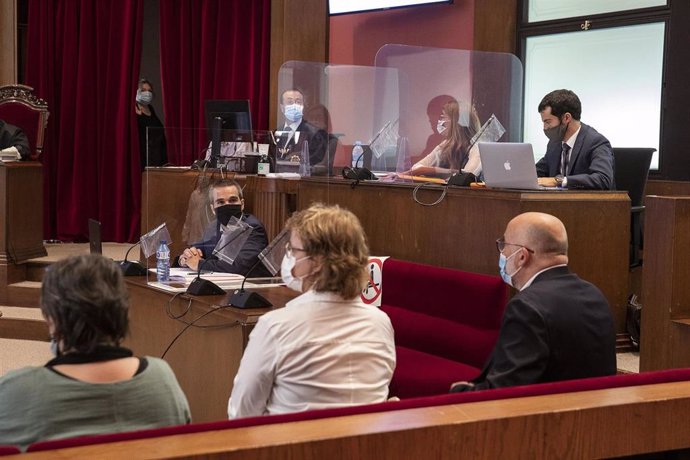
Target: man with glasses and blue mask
[
  {"x": 577, "y": 156},
  {"x": 558, "y": 326},
  {"x": 296, "y": 130}
]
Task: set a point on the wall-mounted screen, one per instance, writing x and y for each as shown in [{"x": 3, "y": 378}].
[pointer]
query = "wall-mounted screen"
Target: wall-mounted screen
[{"x": 358, "y": 6}]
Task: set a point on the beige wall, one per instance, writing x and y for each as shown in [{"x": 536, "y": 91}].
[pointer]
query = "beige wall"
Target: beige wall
[{"x": 8, "y": 42}]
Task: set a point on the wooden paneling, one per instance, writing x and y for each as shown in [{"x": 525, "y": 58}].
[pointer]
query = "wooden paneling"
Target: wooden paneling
[
  {"x": 207, "y": 355},
  {"x": 593, "y": 424},
  {"x": 299, "y": 32},
  {"x": 8, "y": 42},
  {"x": 460, "y": 231},
  {"x": 667, "y": 188},
  {"x": 21, "y": 220},
  {"x": 665, "y": 335},
  {"x": 495, "y": 25}
]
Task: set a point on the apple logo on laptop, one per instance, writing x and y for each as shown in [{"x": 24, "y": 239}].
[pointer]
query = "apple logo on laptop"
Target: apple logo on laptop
[{"x": 506, "y": 165}]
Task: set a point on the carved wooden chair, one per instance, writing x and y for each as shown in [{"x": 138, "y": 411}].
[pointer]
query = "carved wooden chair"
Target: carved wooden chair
[{"x": 20, "y": 107}]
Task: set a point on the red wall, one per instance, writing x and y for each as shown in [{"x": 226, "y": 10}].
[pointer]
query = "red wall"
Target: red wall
[{"x": 355, "y": 38}]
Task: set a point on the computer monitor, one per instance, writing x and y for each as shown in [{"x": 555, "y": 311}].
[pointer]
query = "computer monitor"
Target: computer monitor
[{"x": 236, "y": 120}]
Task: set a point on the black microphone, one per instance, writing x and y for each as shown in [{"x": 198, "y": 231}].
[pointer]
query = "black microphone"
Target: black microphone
[
  {"x": 247, "y": 299},
  {"x": 356, "y": 173},
  {"x": 132, "y": 267},
  {"x": 201, "y": 286}
]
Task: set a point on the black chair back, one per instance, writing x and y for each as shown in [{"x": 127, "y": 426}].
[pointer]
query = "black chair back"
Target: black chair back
[{"x": 632, "y": 168}]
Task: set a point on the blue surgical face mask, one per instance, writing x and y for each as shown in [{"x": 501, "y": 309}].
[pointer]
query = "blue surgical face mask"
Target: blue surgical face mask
[
  {"x": 502, "y": 262},
  {"x": 293, "y": 112},
  {"x": 144, "y": 97}
]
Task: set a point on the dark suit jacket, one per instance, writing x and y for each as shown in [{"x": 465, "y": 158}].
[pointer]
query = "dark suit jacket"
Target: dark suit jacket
[
  {"x": 317, "y": 139},
  {"x": 590, "y": 165},
  {"x": 12, "y": 136},
  {"x": 248, "y": 255},
  {"x": 558, "y": 328}
]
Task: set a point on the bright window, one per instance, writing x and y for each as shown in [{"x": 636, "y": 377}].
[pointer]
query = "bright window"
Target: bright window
[
  {"x": 546, "y": 10},
  {"x": 616, "y": 72}
]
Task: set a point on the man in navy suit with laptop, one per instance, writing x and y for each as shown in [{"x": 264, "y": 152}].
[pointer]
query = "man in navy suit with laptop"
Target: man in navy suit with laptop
[{"x": 577, "y": 156}]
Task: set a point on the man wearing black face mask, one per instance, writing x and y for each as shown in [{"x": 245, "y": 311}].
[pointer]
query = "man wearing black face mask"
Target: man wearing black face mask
[
  {"x": 226, "y": 202},
  {"x": 577, "y": 156}
]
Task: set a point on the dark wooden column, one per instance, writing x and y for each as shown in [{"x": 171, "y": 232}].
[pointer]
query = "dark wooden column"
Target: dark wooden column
[
  {"x": 299, "y": 32},
  {"x": 21, "y": 220}
]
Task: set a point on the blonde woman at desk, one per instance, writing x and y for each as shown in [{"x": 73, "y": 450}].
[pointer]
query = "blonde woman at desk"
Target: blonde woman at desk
[
  {"x": 458, "y": 124},
  {"x": 326, "y": 348}
]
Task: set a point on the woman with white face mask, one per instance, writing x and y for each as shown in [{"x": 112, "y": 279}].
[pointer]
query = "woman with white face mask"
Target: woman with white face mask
[
  {"x": 326, "y": 348},
  {"x": 457, "y": 123},
  {"x": 153, "y": 152}
]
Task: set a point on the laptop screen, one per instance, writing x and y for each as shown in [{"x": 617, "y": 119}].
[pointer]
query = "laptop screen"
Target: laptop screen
[{"x": 508, "y": 165}]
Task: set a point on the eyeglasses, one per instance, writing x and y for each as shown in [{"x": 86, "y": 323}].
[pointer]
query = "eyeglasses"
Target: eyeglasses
[
  {"x": 289, "y": 249},
  {"x": 501, "y": 245}
]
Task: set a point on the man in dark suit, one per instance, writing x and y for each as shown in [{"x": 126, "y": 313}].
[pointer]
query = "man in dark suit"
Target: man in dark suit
[
  {"x": 577, "y": 156},
  {"x": 558, "y": 326},
  {"x": 13, "y": 141},
  {"x": 227, "y": 201},
  {"x": 296, "y": 130}
]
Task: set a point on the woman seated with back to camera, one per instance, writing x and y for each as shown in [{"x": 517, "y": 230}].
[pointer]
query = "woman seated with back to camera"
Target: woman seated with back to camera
[
  {"x": 326, "y": 348},
  {"x": 458, "y": 124},
  {"x": 93, "y": 385}
]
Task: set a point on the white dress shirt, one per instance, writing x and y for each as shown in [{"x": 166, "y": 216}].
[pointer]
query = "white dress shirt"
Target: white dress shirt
[{"x": 320, "y": 351}]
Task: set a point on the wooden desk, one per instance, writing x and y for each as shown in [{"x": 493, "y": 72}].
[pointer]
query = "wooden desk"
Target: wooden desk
[
  {"x": 21, "y": 220},
  {"x": 460, "y": 232},
  {"x": 205, "y": 358}
]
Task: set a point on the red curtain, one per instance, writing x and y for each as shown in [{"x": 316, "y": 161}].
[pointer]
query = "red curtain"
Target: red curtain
[
  {"x": 83, "y": 59},
  {"x": 211, "y": 49}
]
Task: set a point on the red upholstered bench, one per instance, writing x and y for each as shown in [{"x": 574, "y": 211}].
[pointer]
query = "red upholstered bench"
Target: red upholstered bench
[
  {"x": 597, "y": 383},
  {"x": 446, "y": 323}
]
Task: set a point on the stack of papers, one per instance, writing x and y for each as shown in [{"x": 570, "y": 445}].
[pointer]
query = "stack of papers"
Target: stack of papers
[{"x": 180, "y": 278}]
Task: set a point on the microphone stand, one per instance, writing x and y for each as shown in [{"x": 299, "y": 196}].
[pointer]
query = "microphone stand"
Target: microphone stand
[
  {"x": 247, "y": 299},
  {"x": 201, "y": 286},
  {"x": 133, "y": 267}
]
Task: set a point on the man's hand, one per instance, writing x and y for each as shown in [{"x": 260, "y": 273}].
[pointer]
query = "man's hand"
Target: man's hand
[
  {"x": 461, "y": 386},
  {"x": 547, "y": 181},
  {"x": 191, "y": 258}
]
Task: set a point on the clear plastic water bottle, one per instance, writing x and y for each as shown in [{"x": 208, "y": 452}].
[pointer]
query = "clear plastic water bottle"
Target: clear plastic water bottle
[
  {"x": 163, "y": 262},
  {"x": 357, "y": 154}
]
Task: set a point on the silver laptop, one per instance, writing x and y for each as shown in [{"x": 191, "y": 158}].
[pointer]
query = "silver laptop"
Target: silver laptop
[{"x": 509, "y": 165}]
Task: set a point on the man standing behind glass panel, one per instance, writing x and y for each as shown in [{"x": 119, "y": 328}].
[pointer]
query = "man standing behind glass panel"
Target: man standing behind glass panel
[
  {"x": 577, "y": 156},
  {"x": 296, "y": 130}
]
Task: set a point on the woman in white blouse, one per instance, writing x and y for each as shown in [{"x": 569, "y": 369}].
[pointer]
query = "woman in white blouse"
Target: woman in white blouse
[
  {"x": 326, "y": 348},
  {"x": 457, "y": 123}
]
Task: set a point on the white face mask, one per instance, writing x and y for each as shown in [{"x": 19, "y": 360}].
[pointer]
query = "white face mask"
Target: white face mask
[
  {"x": 440, "y": 126},
  {"x": 293, "y": 282}
]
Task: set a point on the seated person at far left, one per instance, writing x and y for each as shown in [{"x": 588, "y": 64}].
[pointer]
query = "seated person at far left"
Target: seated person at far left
[
  {"x": 227, "y": 201},
  {"x": 458, "y": 124},
  {"x": 14, "y": 141}
]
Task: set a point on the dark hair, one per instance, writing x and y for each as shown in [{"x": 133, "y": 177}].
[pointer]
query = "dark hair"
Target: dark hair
[
  {"x": 225, "y": 183},
  {"x": 294, "y": 88},
  {"x": 562, "y": 101},
  {"x": 86, "y": 299}
]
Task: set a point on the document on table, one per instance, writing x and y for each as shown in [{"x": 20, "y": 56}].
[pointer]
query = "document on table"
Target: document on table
[{"x": 180, "y": 278}]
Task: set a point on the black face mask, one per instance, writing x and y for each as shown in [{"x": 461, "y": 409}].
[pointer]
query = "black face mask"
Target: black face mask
[
  {"x": 225, "y": 212},
  {"x": 557, "y": 133}
]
